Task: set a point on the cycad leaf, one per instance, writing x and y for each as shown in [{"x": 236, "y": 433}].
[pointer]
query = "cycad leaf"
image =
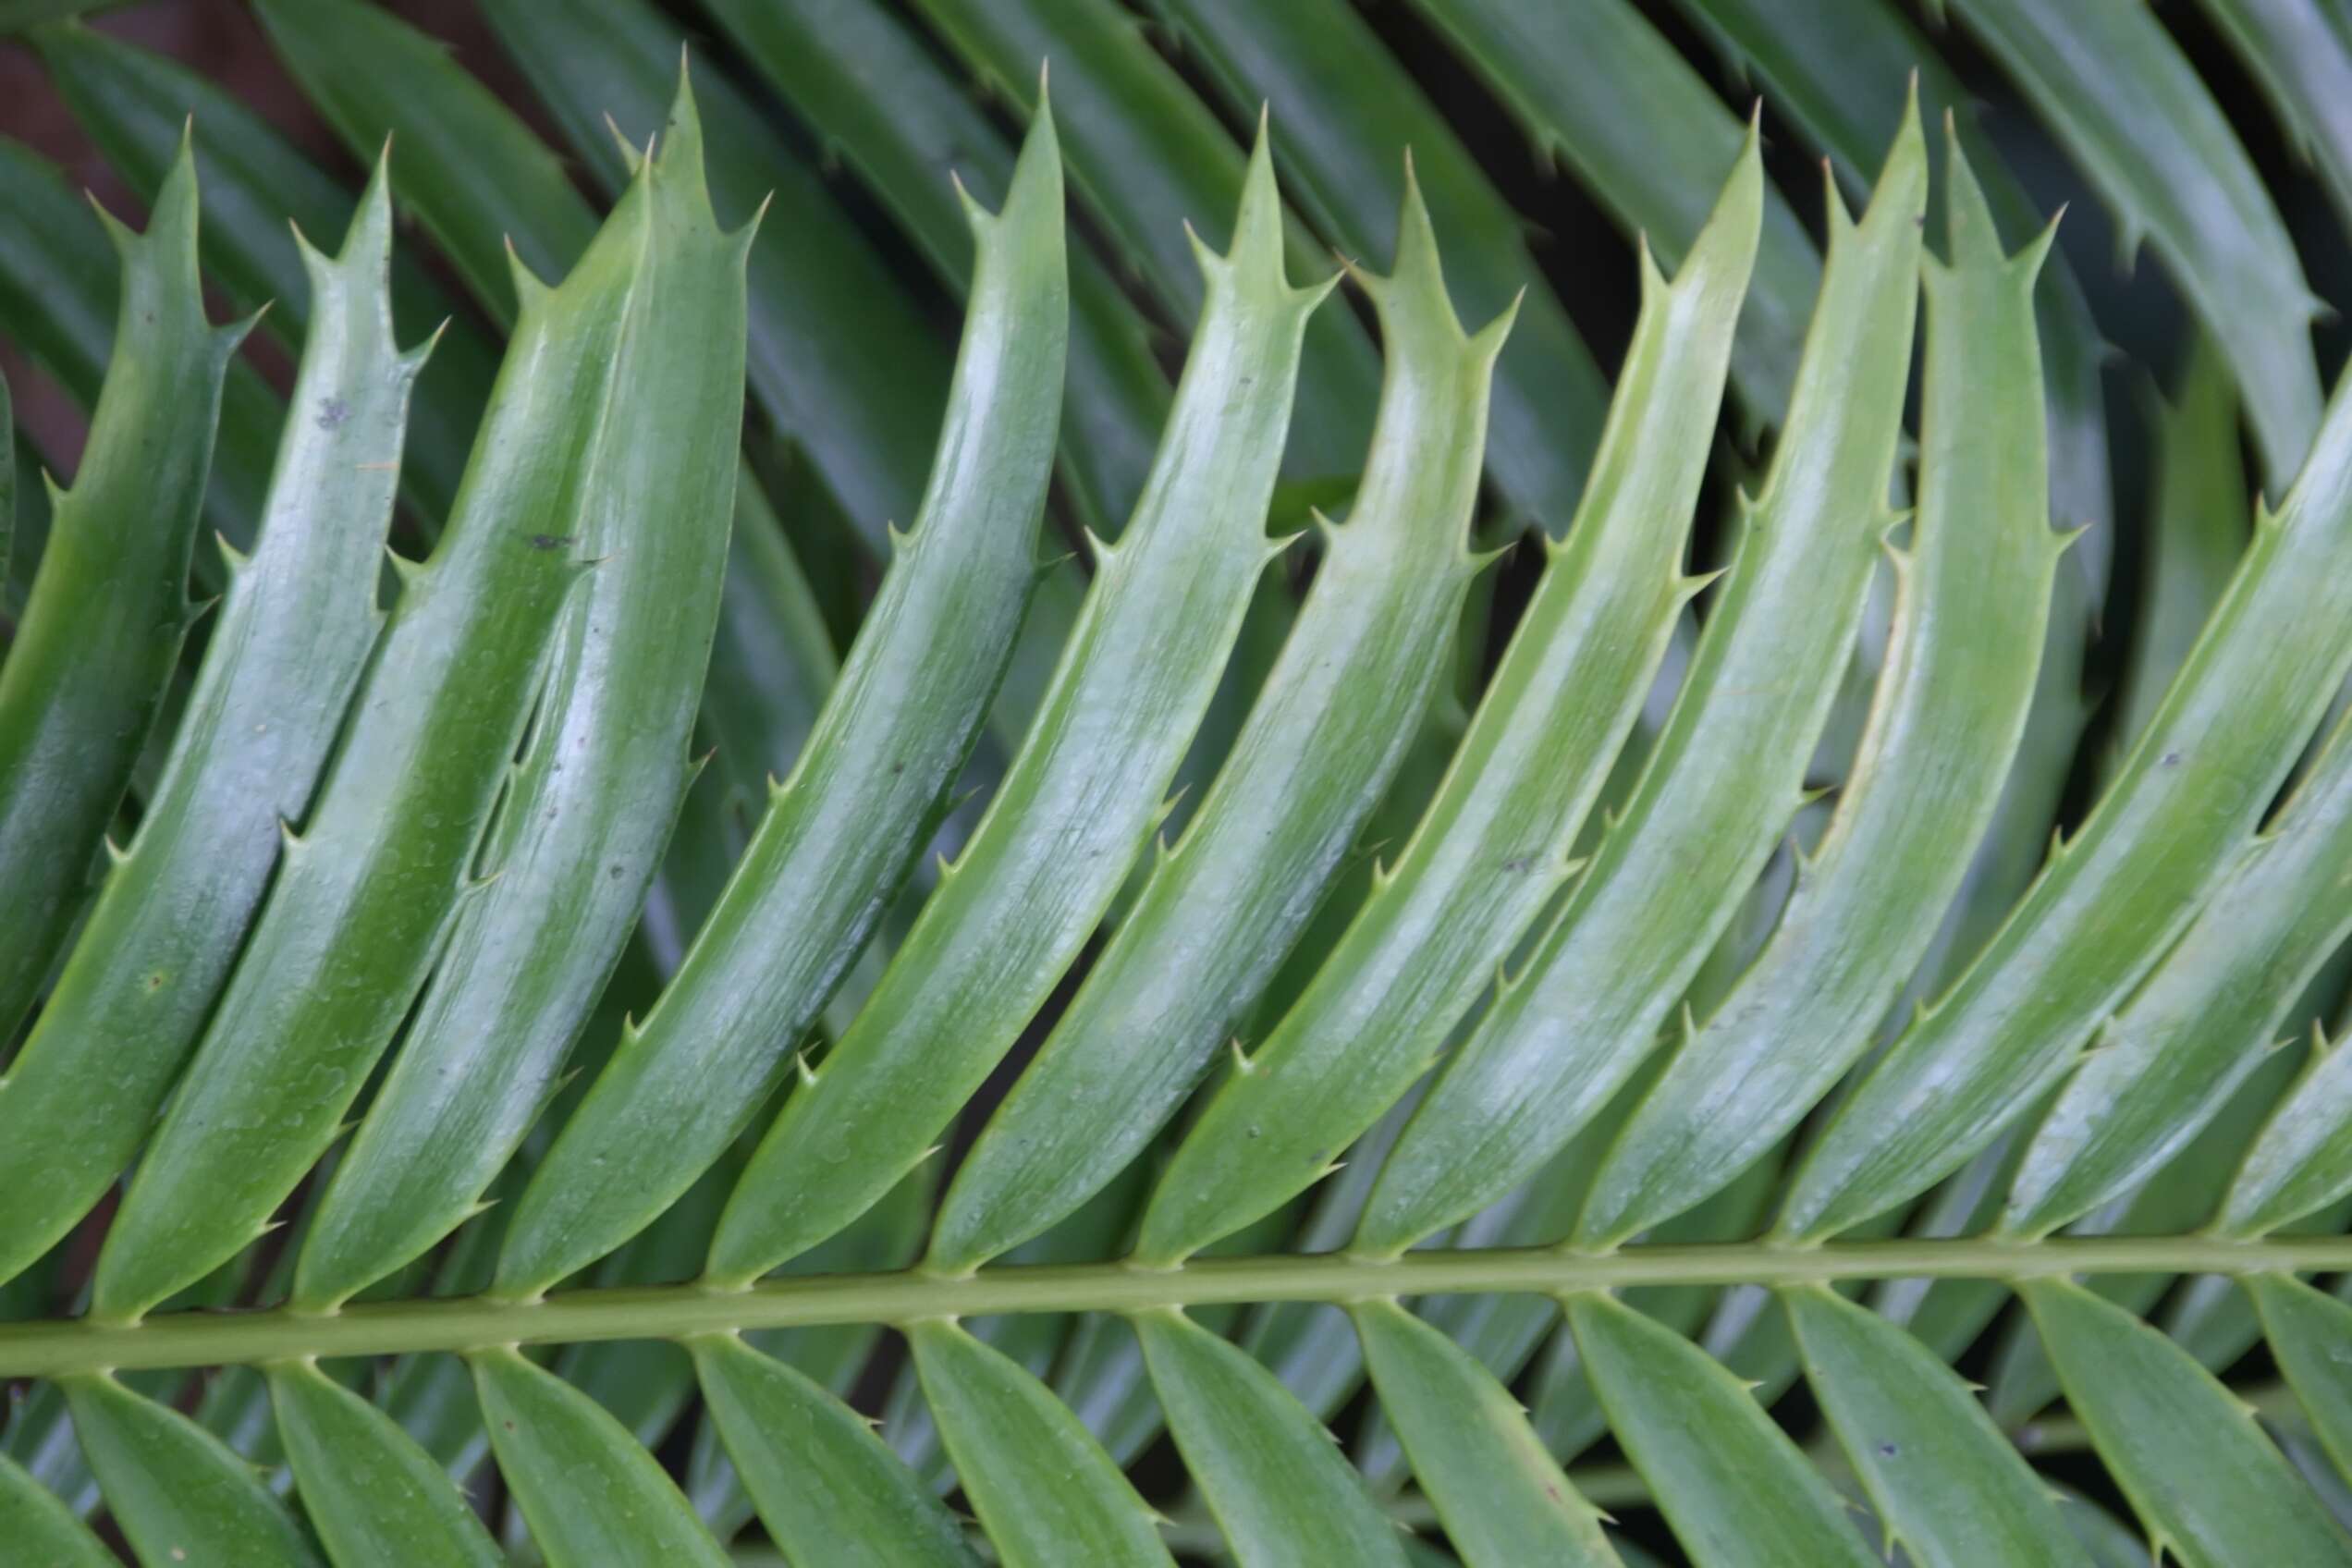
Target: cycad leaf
[
  {"x": 1737, "y": 1491},
  {"x": 1950, "y": 1488},
  {"x": 887, "y": 744},
  {"x": 1079, "y": 799},
  {"x": 1281, "y": 1489},
  {"x": 178, "y": 1493},
  {"x": 841, "y": 360},
  {"x": 2302, "y": 57},
  {"x": 591, "y": 802},
  {"x": 2119, "y": 92},
  {"x": 2205, "y": 1020},
  {"x": 364, "y": 896},
  {"x": 1325, "y": 737},
  {"x": 1500, "y": 1497},
  {"x": 2194, "y": 540},
  {"x": 1044, "y": 1490},
  {"x": 1728, "y": 770},
  {"x": 867, "y": 85},
  {"x": 103, "y": 625},
  {"x": 135, "y": 104},
  {"x": 1597, "y": 83},
  {"x": 1838, "y": 74},
  {"x": 368, "y": 73},
  {"x": 41, "y": 1526},
  {"x": 2301, "y": 1161},
  {"x": 1492, "y": 849},
  {"x": 283, "y": 660},
  {"x": 591, "y": 1496},
  {"x": 2308, "y": 1331},
  {"x": 1350, "y": 108},
  {"x": 827, "y": 1489},
  {"x": 60, "y": 280},
  {"x": 2109, "y": 904},
  {"x": 377, "y": 1500},
  {"x": 1145, "y": 150},
  {"x": 1975, "y": 584},
  {"x": 2199, "y": 1473}
]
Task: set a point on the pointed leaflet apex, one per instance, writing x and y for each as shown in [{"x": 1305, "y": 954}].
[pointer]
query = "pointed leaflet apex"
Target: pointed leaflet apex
[{"x": 1970, "y": 236}]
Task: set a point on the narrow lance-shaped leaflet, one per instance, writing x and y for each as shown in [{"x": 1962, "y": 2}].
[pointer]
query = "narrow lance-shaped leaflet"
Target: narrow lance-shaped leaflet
[
  {"x": 2195, "y": 1029},
  {"x": 1972, "y": 598},
  {"x": 1501, "y": 1496},
  {"x": 2124, "y": 98},
  {"x": 1598, "y": 84},
  {"x": 1727, "y": 774},
  {"x": 366, "y": 890},
  {"x": 2113, "y": 900},
  {"x": 1083, "y": 793},
  {"x": 283, "y": 660},
  {"x": 1145, "y": 149},
  {"x": 1350, "y": 106},
  {"x": 1045, "y": 1492},
  {"x": 840, "y": 833},
  {"x": 890, "y": 109},
  {"x": 1324, "y": 738},
  {"x": 1281, "y": 1490},
  {"x": 108, "y": 609},
  {"x": 1492, "y": 849},
  {"x": 136, "y": 104},
  {"x": 591, "y": 802}
]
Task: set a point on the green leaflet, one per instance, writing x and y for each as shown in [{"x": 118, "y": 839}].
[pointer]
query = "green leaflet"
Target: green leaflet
[
  {"x": 839, "y": 835},
  {"x": 2179, "y": 1198},
  {"x": 1492, "y": 849},
  {"x": 2301, "y": 1161},
  {"x": 865, "y": 84},
  {"x": 1948, "y": 1486},
  {"x": 1727, "y": 773},
  {"x": 2122, "y": 98},
  {"x": 1350, "y": 108},
  {"x": 284, "y": 658},
  {"x": 177, "y": 1491},
  {"x": 2111, "y": 901},
  {"x": 2194, "y": 539},
  {"x": 474, "y": 175},
  {"x": 1950, "y": 709},
  {"x": 365, "y": 895},
  {"x": 44, "y": 1528},
  {"x": 2308, "y": 1331},
  {"x": 1083, "y": 793},
  {"x": 136, "y": 105},
  {"x": 1097, "y": 1229},
  {"x": 1838, "y": 74},
  {"x": 1327, "y": 733},
  {"x": 828, "y": 1489},
  {"x": 377, "y": 1500},
  {"x": 2201, "y": 1474},
  {"x": 2195, "y": 1028},
  {"x": 1648, "y": 135},
  {"x": 591, "y": 802},
  {"x": 368, "y": 73},
  {"x": 103, "y": 625},
  {"x": 1503, "y": 1499},
  {"x": 843, "y": 364},
  {"x": 60, "y": 287},
  {"x": 1280, "y": 1489},
  {"x": 1737, "y": 1491},
  {"x": 2302, "y": 57},
  {"x": 1145, "y": 150},
  {"x": 1045, "y": 1492},
  {"x": 591, "y": 1495}
]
